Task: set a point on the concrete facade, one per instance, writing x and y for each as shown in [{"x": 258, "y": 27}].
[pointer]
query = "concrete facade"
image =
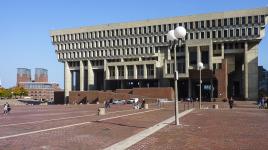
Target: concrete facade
[{"x": 137, "y": 54}]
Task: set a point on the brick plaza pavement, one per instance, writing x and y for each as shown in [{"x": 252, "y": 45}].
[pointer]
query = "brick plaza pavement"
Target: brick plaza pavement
[
  {"x": 243, "y": 128},
  {"x": 59, "y": 127}
]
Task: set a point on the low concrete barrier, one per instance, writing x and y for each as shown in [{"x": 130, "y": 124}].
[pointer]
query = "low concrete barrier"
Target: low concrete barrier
[{"x": 101, "y": 111}]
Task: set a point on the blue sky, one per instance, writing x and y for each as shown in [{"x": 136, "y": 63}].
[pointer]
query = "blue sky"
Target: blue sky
[{"x": 25, "y": 25}]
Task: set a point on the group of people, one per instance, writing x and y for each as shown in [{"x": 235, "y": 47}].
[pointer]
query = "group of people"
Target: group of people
[
  {"x": 139, "y": 104},
  {"x": 7, "y": 108},
  {"x": 261, "y": 102}
]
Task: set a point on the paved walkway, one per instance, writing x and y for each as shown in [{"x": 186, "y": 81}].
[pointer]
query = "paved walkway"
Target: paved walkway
[{"x": 243, "y": 128}]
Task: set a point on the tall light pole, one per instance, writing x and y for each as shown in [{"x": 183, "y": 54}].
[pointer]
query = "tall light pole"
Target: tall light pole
[
  {"x": 200, "y": 67},
  {"x": 175, "y": 37}
]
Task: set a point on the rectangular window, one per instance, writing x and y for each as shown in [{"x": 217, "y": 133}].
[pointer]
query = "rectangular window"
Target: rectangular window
[
  {"x": 191, "y": 35},
  {"x": 231, "y": 21},
  {"x": 237, "y": 20},
  {"x": 208, "y": 34},
  {"x": 249, "y": 19},
  {"x": 196, "y": 35},
  {"x": 213, "y": 23},
  {"x": 196, "y": 24},
  {"x": 150, "y": 70},
  {"x": 256, "y": 31},
  {"x": 213, "y": 34},
  {"x": 202, "y": 35},
  {"x": 237, "y": 32},
  {"x": 140, "y": 71},
  {"x": 120, "y": 71},
  {"x": 191, "y": 25},
  {"x": 219, "y": 22},
  {"x": 231, "y": 33},
  {"x": 208, "y": 23},
  {"x": 130, "y": 71},
  {"x": 256, "y": 19},
  {"x": 185, "y": 25},
  {"x": 249, "y": 31},
  {"x": 225, "y": 22},
  {"x": 112, "y": 71},
  {"x": 262, "y": 19},
  {"x": 219, "y": 34},
  {"x": 243, "y": 20},
  {"x": 243, "y": 32},
  {"x": 225, "y": 33},
  {"x": 202, "y": 24}
]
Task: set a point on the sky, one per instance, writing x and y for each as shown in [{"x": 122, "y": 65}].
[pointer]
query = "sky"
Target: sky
[{"x": 25, "y": 25}]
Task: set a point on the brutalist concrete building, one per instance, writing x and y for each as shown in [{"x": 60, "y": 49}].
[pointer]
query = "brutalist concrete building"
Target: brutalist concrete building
[{"x": 137, "y": 54}]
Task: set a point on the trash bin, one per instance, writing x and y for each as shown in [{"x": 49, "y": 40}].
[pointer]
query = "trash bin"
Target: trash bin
[
  {"x": 101, "y": 111},
  {"x": 146, "y": 106}
]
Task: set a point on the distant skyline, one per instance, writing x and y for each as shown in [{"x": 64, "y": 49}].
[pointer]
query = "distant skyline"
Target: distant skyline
[{"x": 25, "y": 25}]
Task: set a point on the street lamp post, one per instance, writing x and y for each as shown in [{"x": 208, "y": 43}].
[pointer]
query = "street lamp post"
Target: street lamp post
[
  {"x": 200, "y": 67},
  {"x": 175, "y": 38}
]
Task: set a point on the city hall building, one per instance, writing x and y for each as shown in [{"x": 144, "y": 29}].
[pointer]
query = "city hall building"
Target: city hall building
[{"x": 137, "y": 54}]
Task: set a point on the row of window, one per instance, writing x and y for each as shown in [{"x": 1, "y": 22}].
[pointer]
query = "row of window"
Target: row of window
[
  {"x": 112, "y": 43},
  {"x": 224, "y": 33},
  {"x": 130, "y": 71},
  {"x": 104, "y": 53},
  {"x": 160, "y": 28}
]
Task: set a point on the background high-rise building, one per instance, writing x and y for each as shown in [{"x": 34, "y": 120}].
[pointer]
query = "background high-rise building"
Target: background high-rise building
[
  {"x": 41, "y": 75},
  {"x": 23, "y": 75},
  {"x": 39, "y": 88}
]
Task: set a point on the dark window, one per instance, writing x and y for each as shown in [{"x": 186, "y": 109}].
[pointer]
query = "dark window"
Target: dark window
[
  {"x": 196, "y": 24},
  {"x": 170, "y": 27},
  {"x": 243, "y": 20},
  {"x": 237, "y": 21},
  {"x": 219, "y": 22},
  {"x": 202, "y": 24},
  {"x": 219, "y": 34},
  {"x": 208, "y": 23},
  {"x": 213, "y": 23},
  {"x": 159, "y": 28},
  {"x": 205, "y": 57},
  {"x": 208, "y": 34},
  {"x": 243, "y": 32},
  {"x": 225, "y": 33},
  {"x": 213, "y": 34},
  {"x": 202, "y": 35},
  {"x": 165, "y": 28},
  {"x": 196, "y": 35},
  {"x": 237, "y": 32},
  {"x": 150, "y": 29},
  {"x": 256, "y": 31},
  {"x": 231, "y": 33},
  {"x": 193, "y": 57},
  {"x": 154, "y": 28},
  {"x": 185, "y": 25},
  {"x": 191, "y": 35},
  {"x": 231, "y": 21},
  {"x": 191, "y": 25},
  {"x": 249, "y": 20},
  {"x": 225, "y": 21},
  {"x": 249, "y": 31},
  {"x": 175, "y": 25},
  {"x": 256, "y": 19},
  {"x": 262, "y": 19}
]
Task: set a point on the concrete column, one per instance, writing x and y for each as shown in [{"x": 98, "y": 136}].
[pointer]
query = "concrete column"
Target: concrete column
[
  {"x": 189, "y": 88},
  {"x": 107, "y": 73},
  {"x": 90, "y": 76},
  {"x": 67, "y": 81},
  {"x": 144, "y": 71},
  {"x": 154, "y": 71},
  {"x": 125, "y": 72},
  {"x": 187, "y": 60},
  {"x": 222, "y": 50},
  {"x": 198, "y": 55},
  {"x": 246, "y": 71},
  {"x": 135, "y": 72},
  {"x": 116, "y": 72},
  {"x": 210, "y": 53},
  {"x": 81, "y": 75},
  {"x": 168, "y": 54}
]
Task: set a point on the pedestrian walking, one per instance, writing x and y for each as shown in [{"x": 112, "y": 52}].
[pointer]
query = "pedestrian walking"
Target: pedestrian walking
[
  {"x": 231, "y": 102},
  {"x": 5, "y": 109}
]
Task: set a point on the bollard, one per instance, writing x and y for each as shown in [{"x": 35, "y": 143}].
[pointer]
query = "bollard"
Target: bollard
[
  {"x": 101, "y": 111},
  {"x": 146, "y": 106},
  {"x": 215, "y": 106}
]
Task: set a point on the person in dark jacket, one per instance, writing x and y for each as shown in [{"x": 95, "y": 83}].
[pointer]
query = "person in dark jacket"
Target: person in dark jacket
[{"x": 231, "y": 102}]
